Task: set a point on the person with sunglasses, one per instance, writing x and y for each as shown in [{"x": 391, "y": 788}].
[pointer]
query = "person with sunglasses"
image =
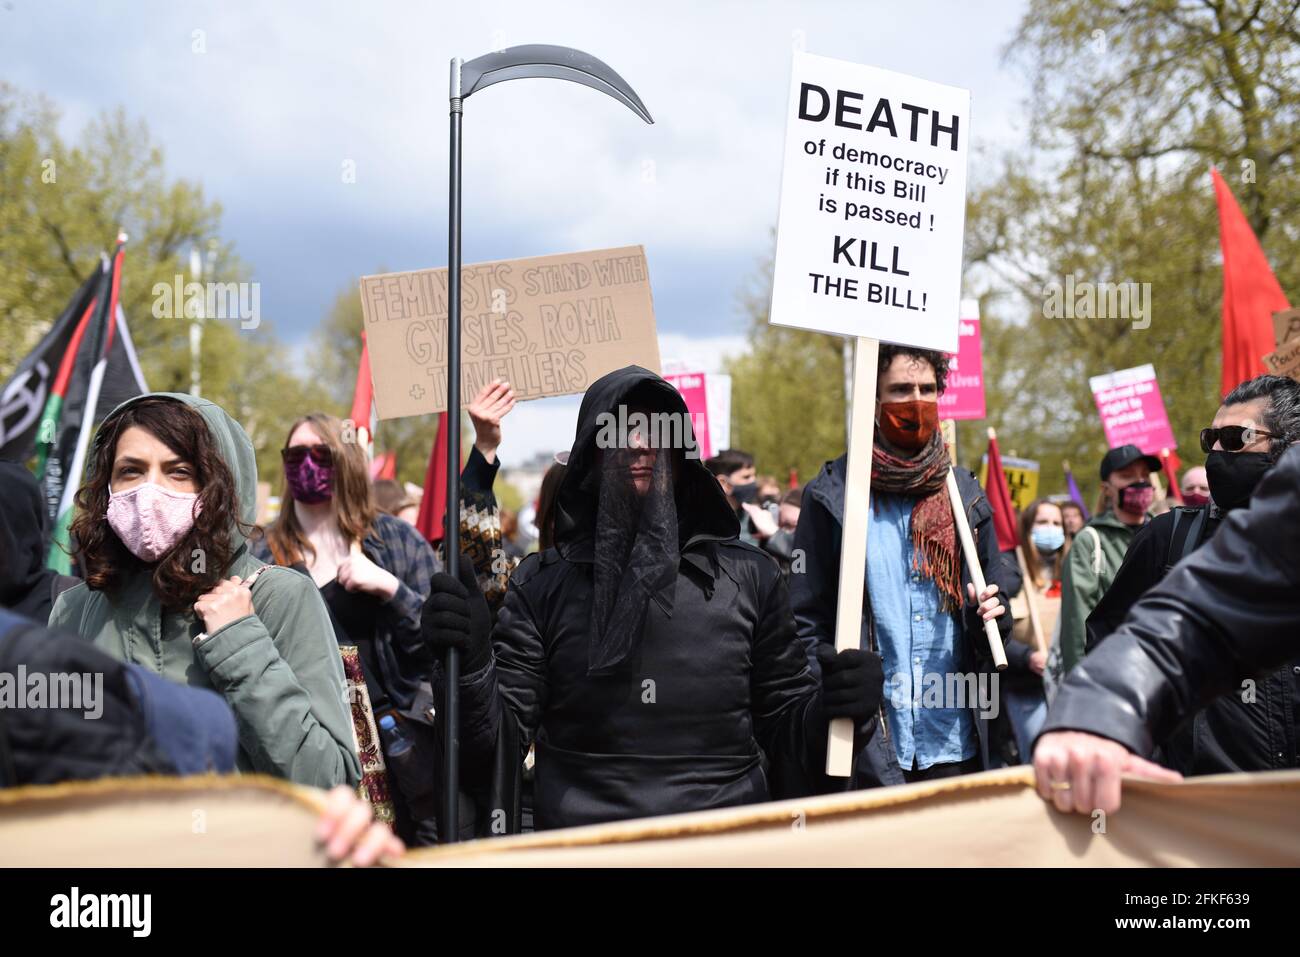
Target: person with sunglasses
[
  {"x": 1225, "y": 613},
  {"x": 1257, "y": 422},
  {"x": 373, "y": 571}
]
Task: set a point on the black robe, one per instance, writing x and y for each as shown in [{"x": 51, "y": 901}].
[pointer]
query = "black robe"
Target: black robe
[{"x": 716, "y": 705}]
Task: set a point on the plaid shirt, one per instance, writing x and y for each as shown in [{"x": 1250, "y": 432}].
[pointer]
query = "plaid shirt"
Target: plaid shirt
[{"x": 398, "y": 548}]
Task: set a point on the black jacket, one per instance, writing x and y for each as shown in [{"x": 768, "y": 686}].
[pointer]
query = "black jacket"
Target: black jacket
[
  {"x": 682, "y": 727},
  {"x": 26, "y": 585},
  {"x": 1227, "y": 612},
  {"x": 1249, "y": 729},
  {"x": 813, "y": 594}
]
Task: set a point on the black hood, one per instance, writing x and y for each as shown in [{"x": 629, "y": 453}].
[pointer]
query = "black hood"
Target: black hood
[
  {"x": 702, "y": 509},
  {"x": 24, "y": 580}
]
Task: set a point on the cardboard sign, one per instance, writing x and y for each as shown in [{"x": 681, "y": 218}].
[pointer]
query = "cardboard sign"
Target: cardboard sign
[
  {"x": 1132, "y": 411},
  {"x": 1022, "y": 479},
  {"x": 964, "y": 396},
  {"x": 708, "y": 400},
  {"x": 873, "y": 203},
  {"x": 1286, "y": 360},
  {"x": 1286, "y": 326},
  {"x": 549, "y": 325}
]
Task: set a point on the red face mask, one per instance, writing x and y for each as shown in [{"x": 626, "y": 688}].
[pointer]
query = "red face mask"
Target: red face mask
[{"x": 909, "y": 425}]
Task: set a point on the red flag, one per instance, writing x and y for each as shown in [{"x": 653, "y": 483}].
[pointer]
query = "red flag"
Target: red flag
[
  {"x": 1004, "y": 513},
  {"x": 433, "y": 506},
  {"x": 1169, "y": 459},
  {"x": 363, "y": 394},
  {"x": 384, "y": 466},
  {"x": 1251, "y": 293}
]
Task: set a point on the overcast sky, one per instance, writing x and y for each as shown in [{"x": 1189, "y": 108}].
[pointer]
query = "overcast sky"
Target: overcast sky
[{"x": 287, "y": 92}]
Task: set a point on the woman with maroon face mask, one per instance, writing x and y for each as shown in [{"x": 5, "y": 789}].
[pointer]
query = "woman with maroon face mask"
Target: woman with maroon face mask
[{"x": 372, "y": 570}]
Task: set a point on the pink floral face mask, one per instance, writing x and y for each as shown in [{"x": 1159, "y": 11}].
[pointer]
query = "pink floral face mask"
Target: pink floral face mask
[{"x": 150, "y": 519}]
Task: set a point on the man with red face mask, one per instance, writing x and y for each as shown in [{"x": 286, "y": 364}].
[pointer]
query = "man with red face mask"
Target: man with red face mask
[
  {"x": 921, "y": 614},
  {"x": 1099, "y": 548}
]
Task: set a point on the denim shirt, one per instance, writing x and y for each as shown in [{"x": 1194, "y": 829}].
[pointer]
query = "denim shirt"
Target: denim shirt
[{"x": 919, "y": 643}]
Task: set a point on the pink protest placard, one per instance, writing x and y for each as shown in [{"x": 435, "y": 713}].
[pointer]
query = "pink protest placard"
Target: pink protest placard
[
  {"x": 964, "y": 396},
  {"x": 692, "y": 386},
  {"x": 1132, "y": 410}
]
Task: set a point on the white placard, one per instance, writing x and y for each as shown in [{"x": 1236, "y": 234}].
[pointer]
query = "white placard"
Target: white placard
[
  {"x": 873, "y": 204},
  {"x": 718, "y": 388}
]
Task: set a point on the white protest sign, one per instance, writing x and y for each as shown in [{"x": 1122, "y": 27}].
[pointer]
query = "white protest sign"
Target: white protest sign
[
  {"x": 869, "y": 245},
  {"x": 718, "y": 388},
  {"x": 873, "y": 204}
]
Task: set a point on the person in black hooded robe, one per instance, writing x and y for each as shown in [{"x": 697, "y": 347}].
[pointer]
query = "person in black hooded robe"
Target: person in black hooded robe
[{"x": 650, "y": 655}]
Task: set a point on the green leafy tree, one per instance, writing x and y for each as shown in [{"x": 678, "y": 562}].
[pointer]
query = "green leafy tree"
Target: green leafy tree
[
  {"x": 62, "y": 205},
  {"x": 1132, "y": 103}
]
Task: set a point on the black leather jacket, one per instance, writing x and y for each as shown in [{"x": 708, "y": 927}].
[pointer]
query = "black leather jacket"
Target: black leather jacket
[
  {"x": 1252, "y": 728},
  {"x": 1230, "y": 611}
]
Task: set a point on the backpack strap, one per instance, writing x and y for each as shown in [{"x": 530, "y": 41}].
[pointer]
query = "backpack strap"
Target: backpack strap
[
  {"x": 1097, "y": 556},
  {"x": 1189, "y": 529}
]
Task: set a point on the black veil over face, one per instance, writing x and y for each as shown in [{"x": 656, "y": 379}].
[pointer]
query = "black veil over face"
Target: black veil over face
[
  {"x": 634, "y": 542},
  {"x": 636, "y": 556}
]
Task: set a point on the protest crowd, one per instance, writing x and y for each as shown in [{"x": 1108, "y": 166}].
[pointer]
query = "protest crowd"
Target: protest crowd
[
  {"x": 667, "y": 643},
  {"x": 665, "y": 623}
]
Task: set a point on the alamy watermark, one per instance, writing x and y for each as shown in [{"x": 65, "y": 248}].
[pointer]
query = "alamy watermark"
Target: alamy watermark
[
  {"x": 208, "y": 300},
  {"x": 952, "y": 689},
  {"x": 1098, "y": 300},
  {"x": 649, "y": 430},
  {"x": 130, "y": 911},
  {"x": 71, "y": 691}
]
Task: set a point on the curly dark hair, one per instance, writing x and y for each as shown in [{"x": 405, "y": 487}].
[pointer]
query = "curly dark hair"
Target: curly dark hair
[
  {"x": 937, "y": 361},
  {"x": 106, "y": 562}
]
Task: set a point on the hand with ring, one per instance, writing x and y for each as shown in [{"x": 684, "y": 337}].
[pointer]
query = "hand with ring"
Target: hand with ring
[{"x": 1081, "y": 772}]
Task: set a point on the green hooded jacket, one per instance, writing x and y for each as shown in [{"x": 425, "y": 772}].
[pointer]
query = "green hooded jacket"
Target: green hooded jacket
[
  {"x": 278, "y": 669},
  {"x": 1090, "y": 567}
]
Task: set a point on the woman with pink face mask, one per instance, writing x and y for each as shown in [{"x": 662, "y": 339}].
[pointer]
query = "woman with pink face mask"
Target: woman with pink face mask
[{"x": 170, "y": 584}]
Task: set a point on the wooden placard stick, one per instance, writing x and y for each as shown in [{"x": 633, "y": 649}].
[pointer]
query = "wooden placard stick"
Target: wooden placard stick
[
  {"x": 1031, "y": 600},
  {"x": 973, "y": 567},
  {"x": 853, "y": 545}
]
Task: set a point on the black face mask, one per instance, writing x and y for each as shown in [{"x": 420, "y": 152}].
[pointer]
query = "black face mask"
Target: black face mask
[
  {"x": 745, "y": 493},
  {"x": 1234, "y": 475}
]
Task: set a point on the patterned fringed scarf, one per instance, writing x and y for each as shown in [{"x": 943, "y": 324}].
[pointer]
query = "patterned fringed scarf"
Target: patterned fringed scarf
[
  {"x": 374, "y": 785},
  {"x": 934, "y": 534}
]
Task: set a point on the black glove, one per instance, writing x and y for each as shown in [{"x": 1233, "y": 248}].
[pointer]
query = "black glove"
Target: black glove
[
  {"x": 853, "y": 682},
  {"x": 456, "y": 616}
]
